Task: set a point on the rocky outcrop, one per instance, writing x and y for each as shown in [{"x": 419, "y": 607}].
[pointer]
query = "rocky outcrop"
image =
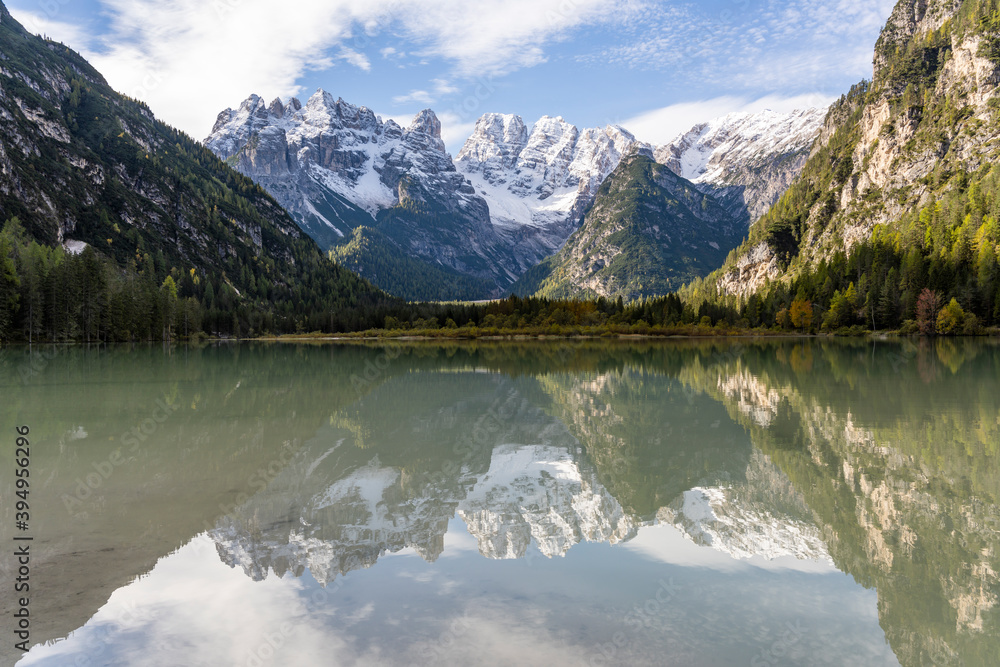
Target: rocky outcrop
[
  {"x": 910, "y": 18},
  {"x": 753, "y": 270},
  {"x": 648, "y": 233},
  {"x": 746, "y": 160},
  {"x": 539, "y": 184},
  {"x": 336, "y": 167},
  {"x": 930, "y": 108}
]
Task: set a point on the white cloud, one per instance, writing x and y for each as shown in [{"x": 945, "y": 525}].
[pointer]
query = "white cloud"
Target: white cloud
[
  {"x": 419, "y": 96},
  {"x": 454, "y": 131},
  {"x": 190, "y": 58},
  {"x": 359, "y": 60},
  {"x": 496, "y": 38},
  {"x": 661, "y": 126},
  {"x": 443, "y": 87}
]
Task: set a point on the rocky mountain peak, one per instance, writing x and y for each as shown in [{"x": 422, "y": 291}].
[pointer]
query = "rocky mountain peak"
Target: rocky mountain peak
[
  {"x": 746, "y": 160},
  {"x": 910, "y": 18},
  {"x": 425, "y": 132},
  {"x": 495, "y": 144},
  {"x": 426, "y": 122},
  {"x": 336, "y": 167},
  {"x": 277, "y": 109},
  {"x": 542, "y": 179},
  {"x": 321, "y": 99}
]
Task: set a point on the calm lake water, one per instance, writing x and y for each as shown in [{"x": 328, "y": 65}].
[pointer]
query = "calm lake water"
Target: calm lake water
[{"x": 554, "y": 503}]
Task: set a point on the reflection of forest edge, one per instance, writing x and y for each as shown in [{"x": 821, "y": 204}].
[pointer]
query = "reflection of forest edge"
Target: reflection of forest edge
[{"x": 892, "y": 445}]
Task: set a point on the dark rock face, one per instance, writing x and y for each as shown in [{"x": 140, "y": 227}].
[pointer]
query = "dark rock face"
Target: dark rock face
[{"x": 337, "y": 167}]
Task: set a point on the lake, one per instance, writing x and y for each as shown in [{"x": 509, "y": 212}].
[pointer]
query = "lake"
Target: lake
[{"x": 792, "y": 502}]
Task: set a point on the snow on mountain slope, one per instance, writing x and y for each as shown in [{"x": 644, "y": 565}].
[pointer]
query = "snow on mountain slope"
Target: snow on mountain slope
[
  {"x": 306, "y": 153},
  {"x": 540, "y": 493},
  {"x": 322, "y": 161},
  {"x": 747, "y": 160},
  {"x": 538, "y": 184},
  {"x": 512, "y": 197},
  {"x": 763, "y": 516},
  {"x": 338, "y": 167}
]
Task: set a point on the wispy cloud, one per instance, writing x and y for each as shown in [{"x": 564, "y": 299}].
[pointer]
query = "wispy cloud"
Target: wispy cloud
[
  {"x": 419, "y": 96},
  {"x": 172, "y": 53},
  {"x": 661, "y": 126},
  {"x": 444, "y": 87},
  {"x": 769, "y": 44},
  {"x": 352, "y": 57}
]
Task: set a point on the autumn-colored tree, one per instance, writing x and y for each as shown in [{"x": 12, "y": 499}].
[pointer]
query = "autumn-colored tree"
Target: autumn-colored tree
[
  {"x": 801, "y": 314},
  {"x": 781, "y": 318},
  {"x": 951, "y": 319},
  {"x": 928, "y": 305}
]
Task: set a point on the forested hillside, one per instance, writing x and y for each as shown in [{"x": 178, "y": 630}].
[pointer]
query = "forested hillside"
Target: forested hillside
[
  {"x": 83, "y": 166},
  {"x": 900, "y": 195}
]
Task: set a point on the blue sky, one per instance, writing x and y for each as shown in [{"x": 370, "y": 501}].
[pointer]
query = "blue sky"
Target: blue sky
[{"x": 655, "y": 67}]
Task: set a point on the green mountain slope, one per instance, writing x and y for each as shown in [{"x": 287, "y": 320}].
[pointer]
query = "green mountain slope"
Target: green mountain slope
[
  {"x": 902, "y": 177},
  {"x": 648, "y": 233},
  {"x": 79, "y": 162},
  {"x": 370, "y": 254}
]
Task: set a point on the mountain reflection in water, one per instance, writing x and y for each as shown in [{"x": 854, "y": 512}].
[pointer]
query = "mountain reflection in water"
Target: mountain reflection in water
[{"x": 724, "y": 485}]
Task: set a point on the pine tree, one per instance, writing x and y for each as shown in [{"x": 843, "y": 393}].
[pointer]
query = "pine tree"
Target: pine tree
[{"x": 9, "y": 284}]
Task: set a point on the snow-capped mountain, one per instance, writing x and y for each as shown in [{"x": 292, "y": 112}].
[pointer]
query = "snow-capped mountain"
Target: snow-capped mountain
[
  {"x": 396, "y": 209},
  {"x": 538, "y": 184},
  {"x": 319, "y": 156},
  {"x": 337, "y": 167},
  {"x": 747, "y": 160},
  {"x": 763, "y": 516},
  {"x": 531, "y": 493}
]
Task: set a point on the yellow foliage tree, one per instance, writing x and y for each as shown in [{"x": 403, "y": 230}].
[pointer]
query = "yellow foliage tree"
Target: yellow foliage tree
[
  {"x": 801, "y": 314},
  {"x": 951, "y": 318}
]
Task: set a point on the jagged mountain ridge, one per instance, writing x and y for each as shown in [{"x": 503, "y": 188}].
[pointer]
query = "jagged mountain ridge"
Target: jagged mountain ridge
[
  {"x": 746, "y": 160},
  {"x": 648, "y": 233},
  {"x": 345, "y": 174},
  {"x": 539, "y": 184},
  {"x": 346, "y": 177}
]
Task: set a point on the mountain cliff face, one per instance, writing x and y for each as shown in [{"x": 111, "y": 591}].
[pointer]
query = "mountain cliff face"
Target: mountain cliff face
[
  {"x": 903, "y": 495},
  {"x": 82, "y": 165},
  {"x": 347, "y": 176},
  {"x": 393, "y": 207},
  {"x": 539, "y": 184},
  {"x": 648, "y": 233},
  {"x": 905, "y": 160},
  {"x": 746, "y": 160}
]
